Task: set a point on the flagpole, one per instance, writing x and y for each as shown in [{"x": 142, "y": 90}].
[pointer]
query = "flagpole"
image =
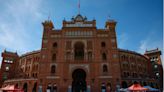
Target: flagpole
[
  {"x": 79, "y": 6},
  {"x": 49, "y": 17}
]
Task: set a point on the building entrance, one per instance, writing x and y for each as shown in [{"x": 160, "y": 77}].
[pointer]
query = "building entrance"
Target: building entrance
[{"x": 79, "y": 81}]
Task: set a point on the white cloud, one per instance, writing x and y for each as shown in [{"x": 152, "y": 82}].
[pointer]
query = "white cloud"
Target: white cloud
[
  {"x": 20, "y": 9},
  {"x": 14, "y": 24},
  {"x": 150, "y": 43},
  {"x": 13, "y": 37}
]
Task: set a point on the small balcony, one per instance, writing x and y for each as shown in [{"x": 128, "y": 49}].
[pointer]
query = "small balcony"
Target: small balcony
[{"x": 80, "y": 57}]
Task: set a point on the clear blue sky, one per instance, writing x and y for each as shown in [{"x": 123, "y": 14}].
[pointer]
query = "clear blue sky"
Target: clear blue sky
[{"x": 139, "y": 24}]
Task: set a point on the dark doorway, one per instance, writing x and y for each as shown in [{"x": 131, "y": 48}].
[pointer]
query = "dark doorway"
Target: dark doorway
[
  {"x": 124, "y": 84},
  {"x": 151, "y": 84},
  {"x": 79, "y": 51},
  {"x": 34, "y": 88},
  {"x": 79, "y": 83},
  {"x": 144, "y": 84},
  {"x": 25, "y": 86},
  {"x": 16, "y": 86}
]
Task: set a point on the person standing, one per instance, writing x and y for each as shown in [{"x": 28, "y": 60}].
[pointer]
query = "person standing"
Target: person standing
[{"x": 48, "y": 88}]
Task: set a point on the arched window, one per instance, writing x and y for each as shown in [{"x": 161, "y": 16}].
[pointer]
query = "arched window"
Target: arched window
[
  {"x": 133, "y": 75},
  {"x": 36, "y": 75},
  {"x": 136, "y": 75},
  {"x": 79, "y": 51},
  {"x": 54, "y": 57},
  {"x": 103, "y": 44},
  {"x": 105, "y": 68},
  {"x": 55, "y": 45},
  {"x": 125, "y": 74},
  {"x": 68, "y": 55},
  {"x": 128, "y": 74},
  {"x": 33, "y": 75},
  {"x": 104, "y": 56},
  {"x": 37, "y": 67},
  {"x": 123, "y": 57},
  {"x": 89, "y": 55},
  {"x": 53, "y": 69}
]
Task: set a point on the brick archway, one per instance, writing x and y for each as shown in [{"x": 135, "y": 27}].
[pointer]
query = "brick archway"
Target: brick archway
[
  {"x": 79, "y": 80},
  {"x": 25, "y": 87}
]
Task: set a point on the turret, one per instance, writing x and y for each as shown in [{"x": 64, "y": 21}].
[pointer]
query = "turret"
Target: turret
[
  {"x": 48, "y": 25},
  {"x": 110, "y": 24},
  {"x": 156, "y": 64},
  {"x": 9, "y": 64}
]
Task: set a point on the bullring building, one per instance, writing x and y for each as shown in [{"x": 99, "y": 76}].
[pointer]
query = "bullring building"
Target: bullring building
[{"x": 78, "y": 58}]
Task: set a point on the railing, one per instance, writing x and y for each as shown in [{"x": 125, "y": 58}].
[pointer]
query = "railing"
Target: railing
[
  {"x": 12, "y": 80},
  {"x": 79, "y": 57}
]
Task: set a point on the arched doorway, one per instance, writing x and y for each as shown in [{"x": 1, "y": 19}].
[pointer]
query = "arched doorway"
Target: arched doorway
[
  {"x": 151, "y": 84},
  {"x": 34, "y": 88},
  {"x": 79, "y": 51},
  {"x": 16, "y": 85},
  {"x": 124, "y": 84},
  {"x": 144, "y": 83},
  {"x": 79, "y": 83},
  {"x": 25, "y": 86}
]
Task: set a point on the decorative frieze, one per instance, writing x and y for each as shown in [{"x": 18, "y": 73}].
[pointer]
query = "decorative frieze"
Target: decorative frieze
[{"x": 79, "y": 34}]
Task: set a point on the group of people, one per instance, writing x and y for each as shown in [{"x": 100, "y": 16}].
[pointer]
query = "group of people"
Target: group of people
[
  {"x": 51, "y": 88},
  {"x": 105, "y": 88}
]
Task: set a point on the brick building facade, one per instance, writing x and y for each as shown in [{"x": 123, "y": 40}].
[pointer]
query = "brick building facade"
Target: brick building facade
[
  {"x": 156, "y": 65},
  {"x": 81, "y": 57}
]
